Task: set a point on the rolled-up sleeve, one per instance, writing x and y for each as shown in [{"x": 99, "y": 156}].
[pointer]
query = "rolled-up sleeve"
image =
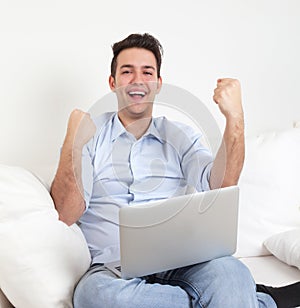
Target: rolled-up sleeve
[{"x": 196, "y": 163}]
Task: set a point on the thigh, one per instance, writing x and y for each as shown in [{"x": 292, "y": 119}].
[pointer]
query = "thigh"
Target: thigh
[
  {"x": 222, "y": 282},
  {"x": 101, "y": 288}
]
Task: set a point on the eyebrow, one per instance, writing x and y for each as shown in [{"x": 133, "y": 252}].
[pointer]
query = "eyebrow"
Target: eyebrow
[{"x": 143, "y": 67}]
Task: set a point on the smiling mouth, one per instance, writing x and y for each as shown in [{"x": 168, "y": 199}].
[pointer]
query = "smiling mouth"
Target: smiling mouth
[{"x": 140, "y": 94}]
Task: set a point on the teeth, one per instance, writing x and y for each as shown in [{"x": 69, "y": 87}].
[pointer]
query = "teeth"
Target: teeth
[{"x": 137, "y": 93}]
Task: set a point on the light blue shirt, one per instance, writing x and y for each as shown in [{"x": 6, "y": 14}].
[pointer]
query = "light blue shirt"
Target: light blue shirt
[{"x": 118, "y": 170}]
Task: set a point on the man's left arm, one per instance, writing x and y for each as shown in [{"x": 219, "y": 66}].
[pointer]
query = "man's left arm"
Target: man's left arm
[{"x": 229, "y": 160}]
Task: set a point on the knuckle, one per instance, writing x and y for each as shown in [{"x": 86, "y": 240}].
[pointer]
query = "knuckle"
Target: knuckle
[{"x": 235, "y": 82}]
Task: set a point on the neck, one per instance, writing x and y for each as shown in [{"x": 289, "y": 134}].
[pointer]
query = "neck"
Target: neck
[{"x": 137, "y": 126}]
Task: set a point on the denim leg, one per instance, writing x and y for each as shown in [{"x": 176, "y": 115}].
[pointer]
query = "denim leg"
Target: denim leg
[
  {"x": 223, "y": 282},
  {"x": 101, "y": 288}
]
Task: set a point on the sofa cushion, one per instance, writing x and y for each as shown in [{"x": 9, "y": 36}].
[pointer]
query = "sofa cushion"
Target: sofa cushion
[
  {"x": 41, "y": 257},
  {"x": 285, "y": 246},
  {"x": 269, "y": 190}
]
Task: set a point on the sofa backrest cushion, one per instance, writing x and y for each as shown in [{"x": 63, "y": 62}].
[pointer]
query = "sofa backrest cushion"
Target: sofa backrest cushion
[
  {"x": 269, "y": 189},
  {"x": 41, "y": 258}
]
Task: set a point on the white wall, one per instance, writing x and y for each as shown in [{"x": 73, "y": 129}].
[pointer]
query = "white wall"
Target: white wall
[{"x": 55, "y": 56}]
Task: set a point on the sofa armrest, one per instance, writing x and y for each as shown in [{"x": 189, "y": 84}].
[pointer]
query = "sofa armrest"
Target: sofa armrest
[{"x": 4, "y": 303}]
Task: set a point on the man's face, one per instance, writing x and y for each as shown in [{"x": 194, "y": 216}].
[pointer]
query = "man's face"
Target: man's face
[{"x": 136, "y": 82}]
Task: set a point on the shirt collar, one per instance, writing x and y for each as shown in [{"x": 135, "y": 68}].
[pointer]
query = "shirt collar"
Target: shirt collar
[
  {"x": 119, "y": 129},
  {"x": 153, "y": 131}
]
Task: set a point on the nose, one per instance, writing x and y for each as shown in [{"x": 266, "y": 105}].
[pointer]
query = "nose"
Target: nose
[{"x": 137, "y": 78}]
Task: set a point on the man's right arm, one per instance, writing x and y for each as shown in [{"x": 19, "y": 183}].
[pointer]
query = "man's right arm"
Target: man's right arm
[{"x": 67, "y": 188}]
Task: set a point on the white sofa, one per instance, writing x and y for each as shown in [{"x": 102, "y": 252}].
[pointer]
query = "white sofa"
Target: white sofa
[
  {"x": 269, "y": 220},
  {"x": 42, "y": 259}
]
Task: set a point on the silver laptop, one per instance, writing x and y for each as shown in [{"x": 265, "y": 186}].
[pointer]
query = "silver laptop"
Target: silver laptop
[{"x": 177, "y": 232}]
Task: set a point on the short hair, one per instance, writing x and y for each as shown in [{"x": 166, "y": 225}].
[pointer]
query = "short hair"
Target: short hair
[{"x": 145, "y": 41}]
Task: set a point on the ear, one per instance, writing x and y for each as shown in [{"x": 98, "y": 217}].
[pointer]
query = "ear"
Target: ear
[
  {"x": 159, "y": 84},
  {"x": 111, "y": 82}
]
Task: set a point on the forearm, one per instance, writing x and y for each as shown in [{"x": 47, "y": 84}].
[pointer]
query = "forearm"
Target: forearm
[
  {"x": 229, "y": 160},
  {"x": 67, "y": 189}
]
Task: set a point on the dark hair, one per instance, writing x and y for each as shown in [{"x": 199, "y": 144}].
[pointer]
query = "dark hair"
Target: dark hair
[{"x": 145, "y": 41}]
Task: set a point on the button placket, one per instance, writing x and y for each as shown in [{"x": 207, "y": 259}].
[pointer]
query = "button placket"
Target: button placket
[{"x": 134, "y": 152}]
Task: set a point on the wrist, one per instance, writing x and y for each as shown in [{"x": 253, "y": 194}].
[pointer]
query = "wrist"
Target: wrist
[
  {"x": 235, "y": 126},
  {"x": 235, "y": 118}
]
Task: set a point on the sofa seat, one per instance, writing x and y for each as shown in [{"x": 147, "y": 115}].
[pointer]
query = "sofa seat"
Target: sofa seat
[{"x": 269, "y": 270}]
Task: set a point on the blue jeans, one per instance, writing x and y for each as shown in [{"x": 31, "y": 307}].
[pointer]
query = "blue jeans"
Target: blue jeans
[{"x": 223, "y": 282}]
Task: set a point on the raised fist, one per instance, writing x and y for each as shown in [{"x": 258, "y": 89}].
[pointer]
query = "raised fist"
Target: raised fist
[
  {"x": 227, "y": 95},
  {"x": 81, "y": 128}
]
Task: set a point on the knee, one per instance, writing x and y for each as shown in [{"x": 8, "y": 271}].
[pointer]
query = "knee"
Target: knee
[
  {"x": 234, "y": 273},
  {"x": 82, "y": 295},
  {"x": 231, "y": 285},
  {"x": 89, "y": 294},
  {"x": 104, "y": 291}
]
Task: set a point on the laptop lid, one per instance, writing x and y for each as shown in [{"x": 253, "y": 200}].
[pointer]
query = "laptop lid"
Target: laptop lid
[{"x": 177, "y": 232}]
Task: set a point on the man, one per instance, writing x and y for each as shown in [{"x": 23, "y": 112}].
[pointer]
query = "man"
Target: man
[{"x": 105, "y": 165}]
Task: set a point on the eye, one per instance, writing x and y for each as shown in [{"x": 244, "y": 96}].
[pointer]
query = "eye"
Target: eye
[
  {"x": 125, "y": 72},
  {"x": 148, "y": 73}
]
